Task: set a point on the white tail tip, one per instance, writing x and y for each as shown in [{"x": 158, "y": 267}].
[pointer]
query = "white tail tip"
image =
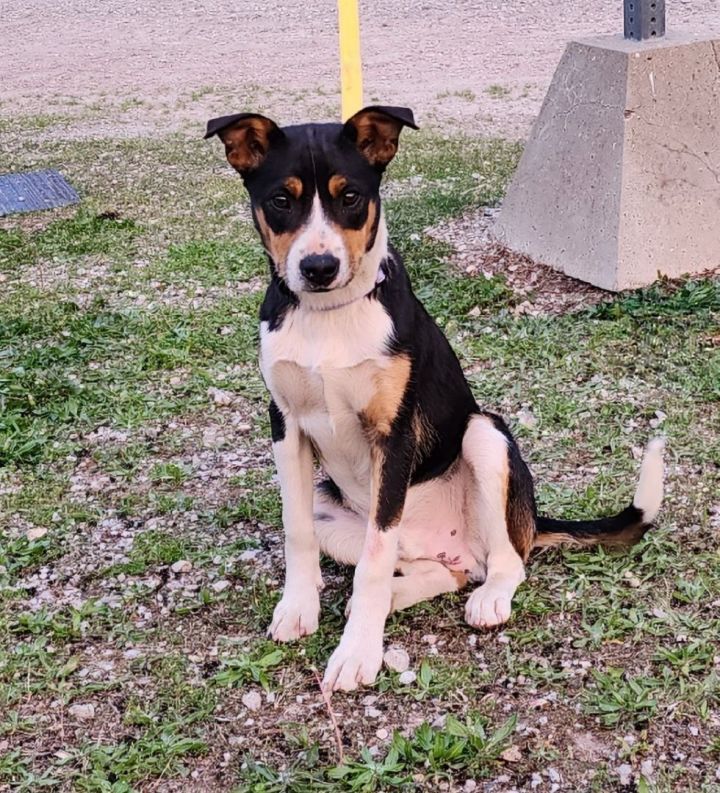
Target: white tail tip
[{"x": 649, "y": 493}]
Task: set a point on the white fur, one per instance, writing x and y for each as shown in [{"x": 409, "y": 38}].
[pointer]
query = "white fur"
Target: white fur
[
  {"x": 363, "y": 282},
  {"x": 299, "y": 608},
  {"x": 649, "y": 494},
  {"x": 485, "y": 451},
  {"x": 319, "y": 236}
]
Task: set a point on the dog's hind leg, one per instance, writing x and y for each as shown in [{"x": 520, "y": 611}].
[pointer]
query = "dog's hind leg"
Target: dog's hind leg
[
  {"x": 340, "y": 531},
  {"x": 500, "y": 519},
  {"x": 423, "y": 579}
]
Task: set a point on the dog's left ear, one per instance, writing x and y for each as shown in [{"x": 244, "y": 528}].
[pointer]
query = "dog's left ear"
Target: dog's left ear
[
  {"x": 247, "y": 138},
  {"x": 375, "y": 130}
]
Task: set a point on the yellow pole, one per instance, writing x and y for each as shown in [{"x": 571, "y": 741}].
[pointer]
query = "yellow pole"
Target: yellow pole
[{"x": 350, "y": 65}]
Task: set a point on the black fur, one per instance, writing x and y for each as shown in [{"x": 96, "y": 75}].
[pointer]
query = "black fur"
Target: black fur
[
  {"x": 425, "y": 438},
  {"x": 277, "y": 423}
]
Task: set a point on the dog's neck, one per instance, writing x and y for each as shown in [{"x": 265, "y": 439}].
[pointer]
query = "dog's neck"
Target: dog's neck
[{"x": 366, "y": 279}]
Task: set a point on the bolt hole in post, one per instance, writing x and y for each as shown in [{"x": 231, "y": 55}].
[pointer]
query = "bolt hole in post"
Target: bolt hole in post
[{"x": 644, "y": 19}]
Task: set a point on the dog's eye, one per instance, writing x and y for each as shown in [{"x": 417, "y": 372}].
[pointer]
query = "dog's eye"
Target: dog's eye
[
  {"x": 280, "y": 201},
  {"x": 350, "y": 199}
]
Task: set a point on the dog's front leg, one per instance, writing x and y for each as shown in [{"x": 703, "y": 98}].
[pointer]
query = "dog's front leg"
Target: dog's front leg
[
  {"x": 358, "y": 657},
  {"x": 297, "y": 612}
]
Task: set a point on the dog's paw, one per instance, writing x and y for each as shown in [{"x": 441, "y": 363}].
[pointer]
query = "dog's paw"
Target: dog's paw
[
  {"x": 355, "y": 662},
  {"x": 488, "y": 606},
  {"x": 296, "y": 615}
]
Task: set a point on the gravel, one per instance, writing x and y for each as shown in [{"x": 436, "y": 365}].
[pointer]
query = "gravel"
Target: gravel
[{"x": 179, "y": 60}]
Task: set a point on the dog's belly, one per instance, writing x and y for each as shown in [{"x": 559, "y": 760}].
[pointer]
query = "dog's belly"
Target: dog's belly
[{"x": 434, "y": 522}]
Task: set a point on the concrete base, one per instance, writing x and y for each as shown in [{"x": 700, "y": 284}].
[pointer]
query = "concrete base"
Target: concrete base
[{"x": 620, "y": 179}]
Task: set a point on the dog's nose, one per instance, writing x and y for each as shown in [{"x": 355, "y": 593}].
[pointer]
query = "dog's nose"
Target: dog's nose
[{"x": 320, "y": 268}]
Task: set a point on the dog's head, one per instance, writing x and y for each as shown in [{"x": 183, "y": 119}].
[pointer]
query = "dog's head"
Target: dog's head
[{"x": 314, "y": 189}]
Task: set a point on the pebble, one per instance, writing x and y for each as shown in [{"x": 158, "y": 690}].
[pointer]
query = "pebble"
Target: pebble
[
  {"x": 181, "y": 566},
  {"x": 511, "y": 755},
  {"x": 396, "y": 659},
  {"x": 252, "y": 700},
  {"x": 82, "y": 712},
  {"x": 220, "y": 397},
  {"x": 373, "y": 713},
  {"x": 407, "y": 678},
  {"x": 220, "y": 586},
  {"x": 624, "y": 771},
  {"x": 382, "y": 734},
  {"x": 35, "y": 534},
  {"x": 470, "y": 785}
]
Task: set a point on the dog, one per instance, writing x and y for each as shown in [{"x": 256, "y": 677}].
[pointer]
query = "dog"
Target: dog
[{"x": 425, "y": 491}]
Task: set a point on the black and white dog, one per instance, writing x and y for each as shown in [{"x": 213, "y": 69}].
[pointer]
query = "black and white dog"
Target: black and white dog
[{"x": 425, "y": 490}]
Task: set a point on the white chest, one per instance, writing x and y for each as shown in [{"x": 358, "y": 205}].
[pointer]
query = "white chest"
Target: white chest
[{"x": 321, "y": 369}]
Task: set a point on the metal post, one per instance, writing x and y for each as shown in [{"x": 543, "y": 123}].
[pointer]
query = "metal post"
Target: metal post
[{"x": 644, "y": 19}]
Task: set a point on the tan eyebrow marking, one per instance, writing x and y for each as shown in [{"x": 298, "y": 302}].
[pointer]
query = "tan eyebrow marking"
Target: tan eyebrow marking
[
  {"x": 336, "y": 185},
  {"x": 294, "y": 186}
]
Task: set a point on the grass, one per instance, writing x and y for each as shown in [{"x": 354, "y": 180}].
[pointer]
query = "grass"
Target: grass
[{"x": 120, "y": 319}]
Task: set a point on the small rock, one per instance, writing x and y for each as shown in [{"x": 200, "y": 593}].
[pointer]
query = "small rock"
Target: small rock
[
  {"x": 373, "y": 713},
  {"x": 624, "y": 771},
  {"x": 213, "y": 437},
  {"x": 554, "y": 775},
  {"x": 407, "y": 678},
  {"x": 252, "y": 700},
  {"x": 220, "y": 397},
  {"x": 470, "y": 785},
  {"x": 132, "y": 653},
  {"x": 220, "y": 586},
  {"x": 430, "y": 638},
  {"x": 526, "y": 418},
  {"x": 35, "y": 534},
  {"x": 646, "y": 768},
  {"x": 396, "y": 659},
  {"x": 181, "y": 566},
  {"x": 382, "y": 734},
  {"x": 82, "y": 712},
  {"x": 511, "y": 755}
]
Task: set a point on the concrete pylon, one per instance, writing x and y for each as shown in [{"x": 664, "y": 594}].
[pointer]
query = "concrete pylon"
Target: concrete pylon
[{"x": 620, "y": 179}]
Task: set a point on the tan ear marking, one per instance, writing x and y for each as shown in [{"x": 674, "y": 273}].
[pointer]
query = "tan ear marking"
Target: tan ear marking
[{"x": 247, "y": 143}]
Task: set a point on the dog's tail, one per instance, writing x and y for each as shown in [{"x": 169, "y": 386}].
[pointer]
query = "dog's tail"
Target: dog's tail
[{"x": 625, "y": 528}]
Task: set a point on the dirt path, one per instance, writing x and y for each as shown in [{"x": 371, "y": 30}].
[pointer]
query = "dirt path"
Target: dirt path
[{"x": 480, "y": 65}]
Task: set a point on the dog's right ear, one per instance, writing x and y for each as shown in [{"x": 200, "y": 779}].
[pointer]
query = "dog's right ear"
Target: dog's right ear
[{"x": 247, "y": 138}]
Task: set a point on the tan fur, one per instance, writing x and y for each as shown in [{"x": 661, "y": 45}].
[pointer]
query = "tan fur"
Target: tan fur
[
  {"x": 377, "y": 136},
  {"x": 356, "y": 240},
  {"x": 277, "y": 245},
  {"x": 294, "y": 186},
  {"x": 336, "y": 184},
  {"x": 624, "y": 539},
  {"x": 247, "y": 143},
  {"x": 390, "y": 386}
]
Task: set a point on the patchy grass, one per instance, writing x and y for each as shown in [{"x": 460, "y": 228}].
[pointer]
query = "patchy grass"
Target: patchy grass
[{"x": 134, "y": 435}]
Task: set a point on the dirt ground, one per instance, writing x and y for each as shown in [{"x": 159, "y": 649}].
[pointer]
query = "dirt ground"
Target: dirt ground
[{"x": 480, "y": 65}]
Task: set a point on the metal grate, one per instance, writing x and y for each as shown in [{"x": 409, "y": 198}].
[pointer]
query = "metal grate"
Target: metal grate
[
  {"x": 27, "y": 192},
  {"x": 644, "y": 19}
]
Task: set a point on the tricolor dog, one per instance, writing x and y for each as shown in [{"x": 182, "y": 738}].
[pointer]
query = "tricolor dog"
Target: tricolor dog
[{"x": 425, "y": 491}]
